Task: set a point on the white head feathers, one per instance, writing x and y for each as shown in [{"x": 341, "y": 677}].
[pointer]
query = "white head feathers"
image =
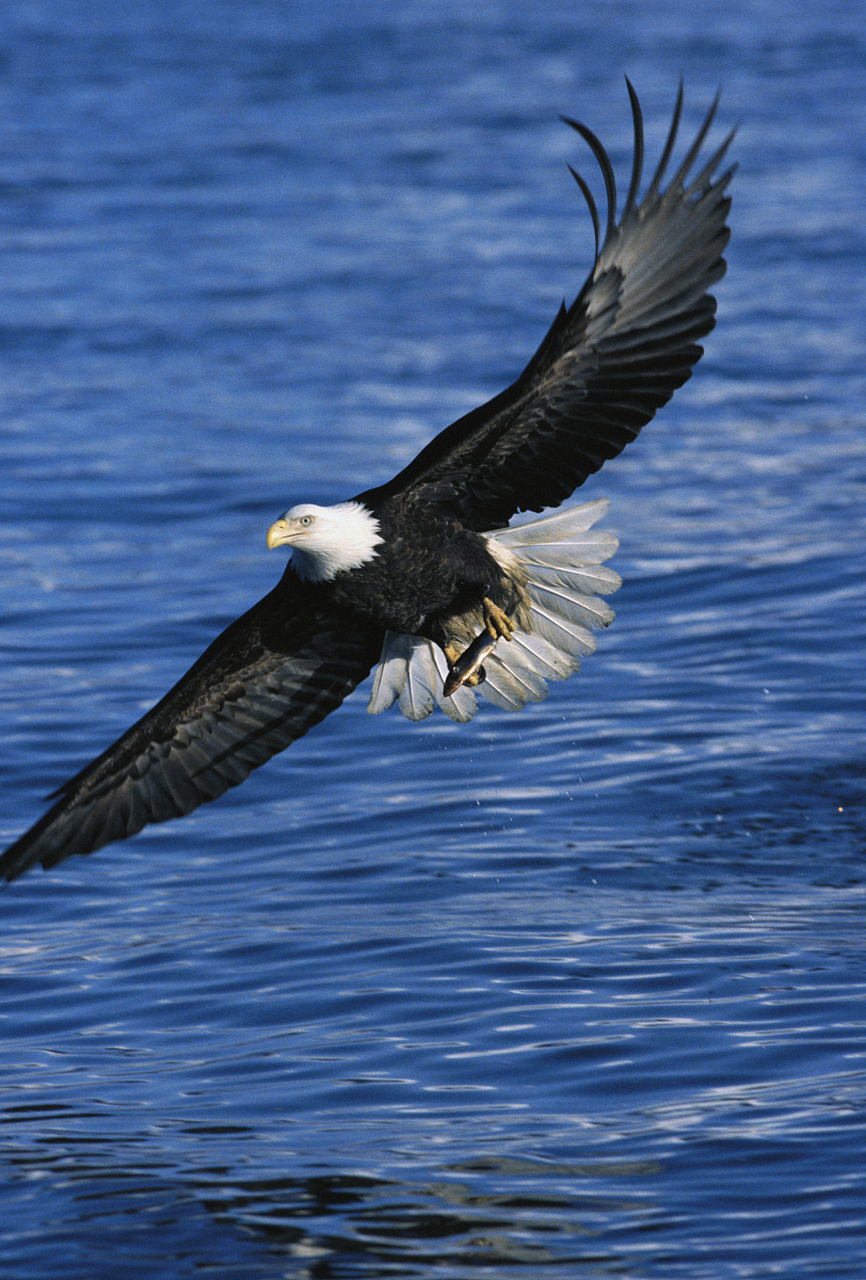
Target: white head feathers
[{"x": 326, "y": 540}]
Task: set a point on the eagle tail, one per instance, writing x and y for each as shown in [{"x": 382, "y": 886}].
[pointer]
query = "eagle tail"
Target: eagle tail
[{"x": 564, "y": 560}]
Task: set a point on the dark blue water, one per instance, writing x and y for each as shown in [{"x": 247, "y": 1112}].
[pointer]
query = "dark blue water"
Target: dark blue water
[{"x": 572, "y": 992}]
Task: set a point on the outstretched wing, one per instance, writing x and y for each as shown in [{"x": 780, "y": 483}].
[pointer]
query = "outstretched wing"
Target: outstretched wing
[
  {"x": 607, "y": 363},
  {"x": 270, "y": 676}
]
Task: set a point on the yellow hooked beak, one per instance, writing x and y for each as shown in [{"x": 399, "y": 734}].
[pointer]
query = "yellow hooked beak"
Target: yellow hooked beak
[{"x": 278, "y": 534}]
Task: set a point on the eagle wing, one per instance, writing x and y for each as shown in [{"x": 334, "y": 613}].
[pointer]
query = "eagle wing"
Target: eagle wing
[
  {"x": 608, "y": 362},
  {"x": 271, "y": 675}
]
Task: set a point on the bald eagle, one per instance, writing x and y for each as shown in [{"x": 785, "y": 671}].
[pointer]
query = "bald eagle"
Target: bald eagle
[{"x": 422, "y": 577}]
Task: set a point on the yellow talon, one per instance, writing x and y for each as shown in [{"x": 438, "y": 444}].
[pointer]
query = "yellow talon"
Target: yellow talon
[{"x": 498, "y": 623}]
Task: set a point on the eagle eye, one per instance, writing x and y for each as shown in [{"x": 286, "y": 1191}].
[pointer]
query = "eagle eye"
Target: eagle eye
[{"x": 306, "y": 520}]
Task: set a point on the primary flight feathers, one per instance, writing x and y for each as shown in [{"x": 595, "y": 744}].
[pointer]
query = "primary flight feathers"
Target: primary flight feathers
[{"x": 421, "y": 574}]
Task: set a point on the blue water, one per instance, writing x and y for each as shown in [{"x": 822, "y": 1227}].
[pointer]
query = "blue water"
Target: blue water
[{"x": 572, "y": 992}]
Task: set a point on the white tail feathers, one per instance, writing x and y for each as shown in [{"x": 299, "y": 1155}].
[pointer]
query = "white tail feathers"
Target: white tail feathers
[{"x": 563, "y": 558}]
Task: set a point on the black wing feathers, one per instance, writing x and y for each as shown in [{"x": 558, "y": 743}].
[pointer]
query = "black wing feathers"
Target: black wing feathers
[
  {"x": 270, "y": 676},
  {"x": 607, "y": 363}
]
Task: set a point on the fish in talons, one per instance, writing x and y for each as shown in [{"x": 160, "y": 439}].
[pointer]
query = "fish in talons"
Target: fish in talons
[{"x": 466, "y": 668}]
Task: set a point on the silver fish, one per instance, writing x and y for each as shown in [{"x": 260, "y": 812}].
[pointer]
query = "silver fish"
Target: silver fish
[{"x": 469, "y": 663}]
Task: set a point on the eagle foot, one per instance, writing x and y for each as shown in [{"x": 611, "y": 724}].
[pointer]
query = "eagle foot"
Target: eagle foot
[
  {"x": 497, "y": 621},
  {"x": 452, "y": 653}
]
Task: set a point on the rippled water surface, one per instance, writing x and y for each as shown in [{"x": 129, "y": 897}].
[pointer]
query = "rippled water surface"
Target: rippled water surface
[{"x": 576, "y": 991}]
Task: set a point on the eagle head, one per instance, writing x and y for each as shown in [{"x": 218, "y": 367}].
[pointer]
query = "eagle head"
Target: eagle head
[{"x": 326, "y": 541}]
